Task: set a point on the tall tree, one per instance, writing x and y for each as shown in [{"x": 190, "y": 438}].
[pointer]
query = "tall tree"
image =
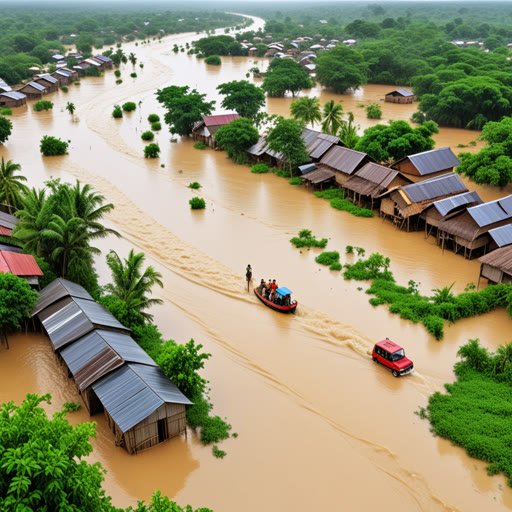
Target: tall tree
[
  {"x": 306, "y": 109},
  {"x": 11, "y": 187},
  {"x": 235, "y": 137},
  {"x": 348, "y": 132},
  {"x": 285, "y": 75},
  {"x": 244, "y": 98},
  {"x": 5, "y": 129},
  {"x": 131, "y": 283},
  {"x": 332, "y": 117},
  {"x": 70, "y": 107}
]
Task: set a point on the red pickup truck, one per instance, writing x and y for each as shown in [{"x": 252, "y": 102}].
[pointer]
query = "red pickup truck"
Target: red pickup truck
[{"x": 392, "y": 356}]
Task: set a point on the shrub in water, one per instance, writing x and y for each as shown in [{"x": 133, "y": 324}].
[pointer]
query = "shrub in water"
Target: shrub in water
[
  {"x": 195, "y": 184},
  {"x": 129, "y": 106},
  {"x": 147, "y": 135},
  {"x": 220, "y": 454},
  {"x": 117, "y": 73},
  {"x": 117, "y": 112},
  {"x": 42, "y": 105},
  {"x": 283, "y": 173},
  {"x": 51, "y": 146},
  {"x": 77, "y": 83},
  {"x": 197, "y": 203},
  {"x": 133, "y": 75},
  {"x": 260, "y": 168},
  {"x": 151, "y": 150},
  {"x": 119, "y": 82},
  {"x": 200, "y": 145},
  {"x": 153, "y": 118},
  {"x": 156, "y": 126},
  {"x": 306, "y": 239},
  {"x": 335, "y": 266},
  {"x": 296, "y": 180},
  {"x": 374, "y": 111},
  {"x": 347, "y": 206},
  {"x": 213, "y": 60},
  {"x": 331, "y": 193},
  {"x": 64, "y": 88},
  {"x": 328, "y": 258},
  {"x": 5, "y": 112}
]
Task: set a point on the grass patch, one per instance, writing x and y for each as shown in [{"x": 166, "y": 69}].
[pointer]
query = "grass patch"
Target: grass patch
[
  {"x": 331, "y": 193},
  {"x": 200, "y": 145},
  {"x": 296, "y": 180},
  {"x": 328, "y": 258},
  {"x": 307, "y": 239},
  {"x": 260, "y": 169},
  {"x": 5, "y": 112},
  {"x": 346, "y": 206}
]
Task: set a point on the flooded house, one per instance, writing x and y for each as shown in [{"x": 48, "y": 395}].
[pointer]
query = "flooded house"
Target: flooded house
[
  {"x": 403, "y": 205},
  {"x": 317, "y": 177},
  {"x": 64, "y": 77},
  {"x": 500, "y": 237},
  {"x": 496, "y": 266},
  {"x": 111, "y": 372},
  {"x": 33, "y": 90},
  {"x": 428, "y": 164},
  {"x": 106, "y": 62},
  {"x": 400, "y": 96},
  {"x": 470, "y": 230},
  {"x": 12, "y": 99},
  {"x": 371, "y": 181},
  {"x": 51, "y": 83},
  {"x": 4, "y": 87},
  {"x": 204, "y": 130},
  {"x": 344, "y": 162}
]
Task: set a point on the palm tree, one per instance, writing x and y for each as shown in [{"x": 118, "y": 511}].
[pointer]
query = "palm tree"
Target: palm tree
[
  {"x": 332, "y": 117},
  {"x": 131, "y": 284},
  {"x": 348, "y": 132},
  {"x": 11, "y": 187},
  {"x": 306, "y": 110},
  {"x": 70, "y": 107}
]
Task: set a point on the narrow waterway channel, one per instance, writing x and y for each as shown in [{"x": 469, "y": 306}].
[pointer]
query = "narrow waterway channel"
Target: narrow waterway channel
[{"x": 320, "y": 426}]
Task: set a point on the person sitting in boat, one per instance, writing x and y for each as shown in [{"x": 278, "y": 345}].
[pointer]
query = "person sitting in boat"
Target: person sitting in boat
[
  {"x": 272, "y": 297},
  {"x": 269, "y": 287},
  {"x": 274, "y": 285},
  {"x": 262, "y": 287}
]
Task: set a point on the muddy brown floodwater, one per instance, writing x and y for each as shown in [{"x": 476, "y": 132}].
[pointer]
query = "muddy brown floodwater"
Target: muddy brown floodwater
[{"x": 320, "y": 426}]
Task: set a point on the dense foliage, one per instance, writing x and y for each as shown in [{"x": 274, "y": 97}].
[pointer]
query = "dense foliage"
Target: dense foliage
[
  {"x": 260, "y": 169},
  {"x": 245, "y": 98},
  {"x": 219, "y": 45},
  {"x": 213, "y": 60},
  {"x": 5, "y": 129},
  {"x": 336, "y": 198},
  {"x": 42, "y": 105},
  {"x": 237, "y": 136},
  {"x": 197, "y": 203},
  {"x": 129, "y": 106},
  {"x": 152, "y": 150},
  {"x": 184, "y": 107},
  {"x": 147, "y": 135},
  {"x": 11, "y": 186},
  {"x": 307, "y": 239},
  {"x": 388, "y": 143},
  {"x": 53, "y": 146},
  {"x": 117, "y": 113},
  {"x": 475, "y": 411},
  {"x": 306, "y": 110},
  {"x": 285, "y": 75}
]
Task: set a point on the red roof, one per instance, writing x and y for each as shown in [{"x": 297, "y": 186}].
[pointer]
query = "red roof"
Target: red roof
[
  {"x": 220, "y": 119},
  {"x": 5, "y": 231},
  {"x": 19, "y": 264},
  {"x": 389, "y": 345}
]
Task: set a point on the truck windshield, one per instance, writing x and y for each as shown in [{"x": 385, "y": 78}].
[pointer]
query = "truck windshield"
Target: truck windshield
[{"x": 399, "y": 354}]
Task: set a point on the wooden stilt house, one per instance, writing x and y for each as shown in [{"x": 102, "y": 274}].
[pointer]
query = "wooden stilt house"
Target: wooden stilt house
[
  {"x": 12, "y": 99},
  {"x": 496, "y": 266}
]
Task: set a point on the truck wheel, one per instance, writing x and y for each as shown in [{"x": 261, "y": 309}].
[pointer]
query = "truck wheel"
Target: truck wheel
[
  {"x": 395, "y": 373},
  {"x": 375, "y": 360}
]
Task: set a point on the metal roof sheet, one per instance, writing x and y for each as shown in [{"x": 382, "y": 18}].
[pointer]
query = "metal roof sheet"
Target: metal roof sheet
[
  {"x": 5, "y": 231},
  {"x": 8, "y": 221},
  {"x": 500, "y": 258},
  {"x": 63, "y": 72},
  {"x": 319, "y": 175},
  {"x": 445, "y": 206},
  {"x": 304, "y": 169},
  {"x": 377, "y": 174},
  {"x": 10, "y": 248},
  {"x": 21, "y": 264},
  {"x": 401, "y": 92},
  {"x": 56, "y": 290},
  {"x": 444, "y": 185},
  {"x": 220, "y": 119},
  {"x": 35, "y": 85},
  {"x": 502, "y": 236},
  {"x": 99, "y": 315},
  {"x": 506, "y": 204},
  {"x": 321, "y": 144},
  {"x": 126, "y": 347},
  {"x": 491, "y": 212},
  {"x": 93, "y": 62},
  {"x": 4, "y": 86},
  {"x": 14, "y": 95},
  {"x": 103, "y": 58},
  {"x": 434, "y": 160},
  {"x": 49, "y": 78},
  {"x": 343, "y": 159}
]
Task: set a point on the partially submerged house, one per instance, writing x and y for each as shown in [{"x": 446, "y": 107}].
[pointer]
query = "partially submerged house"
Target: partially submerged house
[
  {"x": 106, "y": 62},
  {"x": 4, "y": 87},
  {"x": 344, "y": 162},
  {"x": 33, "y": 90},
  {"x": 371, "y": 181},
  {"x": 470, "y": 229},
  {"x": 51, "y": 83},
  {"x": 400, "y": 96},
  {"x": 320, "y": 144},
  {"x": 497, "y": 266},
  {"x": 12, "y": 99},
  {"x": 428, "y": 164},
  {"x": 317, "y": 176},
  {"x": 500, "y": 237},
  {"x": 405, "y": 204},
  {"x": 21, "y": 265},
  {"x": 111, "y": 372},
  {"x": 204, "y": 130}
]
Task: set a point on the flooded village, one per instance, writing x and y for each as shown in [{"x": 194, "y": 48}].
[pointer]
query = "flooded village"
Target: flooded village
[{"x": 316, "y": 421}]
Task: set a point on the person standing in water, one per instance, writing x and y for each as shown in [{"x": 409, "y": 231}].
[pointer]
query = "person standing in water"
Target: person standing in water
[{"x": 248, "y": 275}]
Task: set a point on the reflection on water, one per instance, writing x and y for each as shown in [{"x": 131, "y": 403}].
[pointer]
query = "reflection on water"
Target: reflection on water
[{"x": 318, "y": 423}]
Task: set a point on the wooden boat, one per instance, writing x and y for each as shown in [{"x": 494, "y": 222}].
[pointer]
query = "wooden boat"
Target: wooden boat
[{"x": 276, "y": 307}]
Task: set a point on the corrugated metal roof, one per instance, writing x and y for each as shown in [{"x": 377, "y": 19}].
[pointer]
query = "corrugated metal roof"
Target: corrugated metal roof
[
  {"x": 502, "y": 236},
  {"x": 319, "y": 175},
  {"x": 21, "y": 264},
  {"x": 5, "y": 231},
  {"x": 10, "y": 248},
  {"x": 49, "y": 78},
  {"x": 56, "y": 290},
  {"x": 304, "y": 169},
  {"x": 14, "y": 95},
  {"x": 103, "y": 58},
  {"x": 99, "y": 315},
  {"x": 343, "y": 159},
  {"x": 445, "y": 206},
  {"x": 36, "y": 86},
  {"x": 4, "y": 86},
  {"x": 500, "y": 258},
  {"x": 131, "y": 393},
  {"x": 8, "y": 221},
  {"x": 126, "y": 347},
  {"x": 401, "y": 92},
  {"x": 444, "y": 185},
  {"x": 63, "y": 72},
  {"x": 377, "y": 174},
  {"x": 220, "y": 119},
  {"x": 92, "y": 62},
  {"x": 506, "y": 204},
  {"x": 434, "y": 160},
  {"x": 491, "y": 212},
  {"x": 321, "y": 144},
  {"x": 259, "y": 148}
]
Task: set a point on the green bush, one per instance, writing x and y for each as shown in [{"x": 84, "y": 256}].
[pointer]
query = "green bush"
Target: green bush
[
  {"x": 200, "y": 145},
  {"x": 148, "y": 135},
  {"x": 331, "y": 193},
  {"x": 335, "y": 266},
  {"x": 51, "y": 146},
  {"x": 296, "y": 180},
  {"x": 328, "y": 258},
  {"x": 117, "y": 112},
  {"x": 5, "y": 112},
  {"x": 129, "y": 106},
  {"x": 133, "y": 75},
  {"x": 153, "y": 118},
  {"x": 194, "y": 185},
  {"x": 118, "y": 82},
  {"x": 197, "y": 203},
  {"x": 64, "y": 88},
  {"x": 117, "y": 73},
  {"x": 347, "y": 206},
  {"x": 283, "y": 173},
  {"x": 219, "y": 454},
  {"x": 307, "y": 239},
  {"x": 42, "y": 105},
  {"x": 152, "y": 150},
  {"x": 213, "y": 60},
  {"x": 260, "y": 169},
  {"x": 374, "y": 111},
  {"x": 156, "y": 126},
  {"x": 77, "y": 82}
]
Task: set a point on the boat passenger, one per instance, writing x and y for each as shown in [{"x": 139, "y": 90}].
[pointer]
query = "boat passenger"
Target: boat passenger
[
  {"x": 262, "y": 287},
  {"x": 274, "y": 285}
]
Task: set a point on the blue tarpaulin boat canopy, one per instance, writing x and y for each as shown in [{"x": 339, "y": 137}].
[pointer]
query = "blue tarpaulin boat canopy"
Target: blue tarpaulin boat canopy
[{"x": 283, "y": 291}]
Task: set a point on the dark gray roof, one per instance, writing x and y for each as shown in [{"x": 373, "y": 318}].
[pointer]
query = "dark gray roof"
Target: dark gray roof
[
  {"x": 35, "y": 85},
  {"x": 491, "y": 212},
  {"x": 126, "y": 347},
  {"x": 103, "y": 58},
  {"x": 4, "y": 86},
  {"x": 402, "y": 92},
  {"x": 435, "y": 187},
  {"x": 14, "y": 95},
  {"x": 343, "y": 159},
  {"x": 502, "y": 236},
  {"x": 320, "y": 144},
  {"x": 131, "y": 393},
  {"x": 56, "y": 290},
  {"x": 445, "y": 206},
  {"x": 48, "y": 78},
  {"x": 434, "y": 160},
  {"x": 307, "y": 168},
  {"x": 8, "y": 221}
]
